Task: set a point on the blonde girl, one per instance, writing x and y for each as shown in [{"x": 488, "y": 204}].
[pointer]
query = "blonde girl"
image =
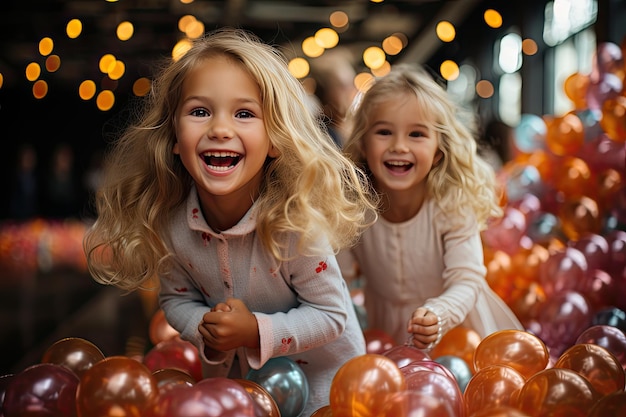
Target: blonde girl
[
  {"x": 422, "y": 261},
  {"x": 233, "y": 194}
]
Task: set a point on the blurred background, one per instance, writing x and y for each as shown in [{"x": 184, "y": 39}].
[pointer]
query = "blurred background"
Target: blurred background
[{"x": 71, "y": 71}]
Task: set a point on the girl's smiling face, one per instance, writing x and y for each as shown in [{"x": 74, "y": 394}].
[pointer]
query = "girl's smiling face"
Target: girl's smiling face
[
  {"x": 220, "y": 131},
  {"x": 400, "y": 146}
]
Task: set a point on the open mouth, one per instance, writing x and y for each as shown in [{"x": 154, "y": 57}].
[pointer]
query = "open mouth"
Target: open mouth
[
  {"x": 398, "y": 166},
  {"x": 221, "y": 161}
]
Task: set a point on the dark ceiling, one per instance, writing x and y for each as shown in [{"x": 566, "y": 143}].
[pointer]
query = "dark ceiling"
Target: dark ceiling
[{"x": 23, "y": 23}]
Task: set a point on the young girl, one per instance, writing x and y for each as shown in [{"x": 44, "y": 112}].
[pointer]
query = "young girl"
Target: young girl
[
  {"x": 422, "y": 261},
  {"x": 231, "y": 193}
]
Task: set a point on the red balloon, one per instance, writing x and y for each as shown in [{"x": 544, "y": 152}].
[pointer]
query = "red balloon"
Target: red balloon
[
  {"x": 377, "y": 341},
  {"x": 45, "y": 389},
  {"x": 116, "y": 385},
  {"x": 324, "y": 411},
  {"x": 175, "y": 353},
  {"x": 595, "y": 248},
  {"x": 503, "y": 411},
  {"x": 208, "y": 398},
  {"x": 402, "y": 355},
  {"x": 160, "y": 329},
  {"x": 609, "y": 337},
  {"x": 557, "y": 392},
  {"x": 493, "y": 386},
  {"x": 610, "y": 405},
  {"x": 74, "y": 353}
]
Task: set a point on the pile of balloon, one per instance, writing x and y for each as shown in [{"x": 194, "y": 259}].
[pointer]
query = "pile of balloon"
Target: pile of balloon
[
  {"x": 40, "y": 245},
  {"x": 557, "y": 257}
]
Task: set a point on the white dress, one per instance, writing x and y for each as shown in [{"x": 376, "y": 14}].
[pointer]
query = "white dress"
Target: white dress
[{"x": 425, "y": 262}]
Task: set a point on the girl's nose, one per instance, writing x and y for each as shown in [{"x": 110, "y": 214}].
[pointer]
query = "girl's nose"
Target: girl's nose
[
  {"x": 399, "y": 144},
  {"x": 220, "y": 128}
]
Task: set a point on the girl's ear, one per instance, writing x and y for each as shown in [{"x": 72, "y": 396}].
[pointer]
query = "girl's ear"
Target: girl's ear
[
  {"x": 175, "y": 149},
  {"x": 438, "y": 157},
  {"x": 272, "y": 152}
]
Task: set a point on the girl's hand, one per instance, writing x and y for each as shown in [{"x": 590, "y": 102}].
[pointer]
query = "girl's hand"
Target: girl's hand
[
  {"x": 228, "y": 326},
  {"x": 424, "y": 325}
]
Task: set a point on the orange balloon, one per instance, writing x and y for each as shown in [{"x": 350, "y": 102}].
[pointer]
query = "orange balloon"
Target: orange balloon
[
  {"x": 159, "y": 329},
  {"x": 572, "y": 177},
  {"x": 599, "y": 366},
  {"x": 575, "y": 87},
  {"x": 459, "y": 341},
  {"x": 413, "y": 403},
  {"x": 74, "y": 353},
  {"x": 613, "y": 120},
  {"x": 264, "y": 402},
  {"x": 492, "y": 386},
  {"x": 324, "y": 411},
  {"x": 580, "y": 216},
  {"x": 565, "y": 134},
  {"x": 610, "y": 405},
  {"x": 499, "y": 412},
  {"x": 360, "y": 387},
  {"x": 557, "y": 392},
  {"x": 116, "y": 386},
  {"x": 520, "y": 350}
]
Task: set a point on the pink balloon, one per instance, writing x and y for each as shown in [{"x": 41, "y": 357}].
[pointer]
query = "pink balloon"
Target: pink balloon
[
  {"x": 563, "y": 317},
  {"x": 413, "y": 403},
  {"x": 175, "y": 353},
  {"x": 617, "y": 251},
  {"x": 402, "y": 355},
  {"x": 595, "y": 248},
  {"x": 563, "y": 270},
  {"x": 43, "y": 389},
  {"x": 428, "y": 366},
  {"x": 506, "y": 232},
  {"x": 609, "y": 337},
  {"x": 601, "y": 289},
  {"x": 438, "y": 385}
]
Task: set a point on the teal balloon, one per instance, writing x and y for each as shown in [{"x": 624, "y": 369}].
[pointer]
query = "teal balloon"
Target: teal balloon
[
  {"x": 458, "y": 367},
  {"x": 530, "y": 133},
  {"x": 286, "y": 382}
]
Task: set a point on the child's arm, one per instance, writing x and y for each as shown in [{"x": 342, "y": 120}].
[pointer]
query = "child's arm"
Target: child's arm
[
  {"x": 228, "y": 326},
  {"x": 425, "y": 327}
]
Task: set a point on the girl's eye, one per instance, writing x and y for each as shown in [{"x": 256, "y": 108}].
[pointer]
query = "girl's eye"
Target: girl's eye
[
  {"x": 199, "y": 112},
  {"x": 416, "y": 134},
  {"x": 244, "y": 114},
  {"x": 384, "y": 132}
]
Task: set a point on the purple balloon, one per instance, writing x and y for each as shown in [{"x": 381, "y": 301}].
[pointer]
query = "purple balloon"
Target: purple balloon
[
  {"x": 403, "y": 355},
  {"x": 565, "y": 269},
  {"x": 42, "y": 390},
  {"x": 609, "y": 337},
  {"x": 595, "y": 248}
]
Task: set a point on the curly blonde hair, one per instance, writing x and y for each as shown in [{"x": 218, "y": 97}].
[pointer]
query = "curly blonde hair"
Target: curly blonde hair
[
  {"x": 311, "y": 188},
  {"x": 462, "y": 183}
]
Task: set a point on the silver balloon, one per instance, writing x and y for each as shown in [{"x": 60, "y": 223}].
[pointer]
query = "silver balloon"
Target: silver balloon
[
  {"x": 458, "y": 367},
  {"x": 286, "y": 382}
]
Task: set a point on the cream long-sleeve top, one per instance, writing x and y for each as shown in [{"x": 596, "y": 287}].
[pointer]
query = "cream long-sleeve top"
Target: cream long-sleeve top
[
  {"x": 303, "y": 306},
  {"x": 425, "y": 261}
]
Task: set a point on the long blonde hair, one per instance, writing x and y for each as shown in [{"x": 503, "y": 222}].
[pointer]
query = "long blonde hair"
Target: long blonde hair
[
  {"x": 311, "y": 188},
  {"x": 462, "y": 183}
]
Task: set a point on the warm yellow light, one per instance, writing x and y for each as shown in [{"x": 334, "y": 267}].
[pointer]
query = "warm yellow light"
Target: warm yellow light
[
  {"x": 449, "y": 70},
  {"x": 74, "y": 28},
  {"x": 46, "y": 45},
  {"x": 184, "y": 21},
  {"x": 142, "y": 86},
  {"x": 374, "y": 57},
  {"x": 180, "y": 49},
  {"x": 392, "y": 45},
  {"x": 194, "y": 29},
  {"x": 299, "y": 67},
  {"x": 339, "y": 19},
  {"x": 311, "y": 48},
  {"x": 493, "y": 18},
  {"x": 383, "y": 70},
  {"x": 125, "y": 31},
  {"x": 107, "y": 63},
  {"x": 87, "y": 89},
  {"x": 53, "y": 63},
  {"x": 363, "y": 81},
  {"x": 186, "y": 1},
  {"x": 484, "y": 89},
  {"x": 1, "y": 80},
  {"x": 105, "y": 100},
  {"x": 40, "y": 89},
  {"x": 117, "y": 71},
  {"x": 529, "y": 46},
  {"x": 326, "y": 38},
  {"x": 33, "y": 71},
  {"x": 445, "y": 31}
]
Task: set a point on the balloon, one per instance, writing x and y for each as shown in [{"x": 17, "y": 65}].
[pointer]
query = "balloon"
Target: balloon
[
  {"x": 522, "y": 179},
  {"x": 175, "y": 353},
  {"x": 74, "y": 353},
  {"x": 4, "y": 382},
  {"x": 459, "y": 341},
  {"x": 324, "y": 411},
  {"x": 557, "y": 392},
  {"x": 264, "y": 404},
  {"x": 543, "y": 227},
  {"x": 601, "y": 289},
  {"x": 438, "y": 385},
  {"x": 503, "y": 411},
  {"x": 610, "y": 316},
  {"x": 596, "y": 364},
  {"x": 117, "y": 385},
  {"x": 579, "y": 216},
  {"x": 522, "y": 351},
  {"x": 415, "y": 403},
  {"x": 362, "y": 384},
  {"x": 595, "y": 249},
  {"x": 425, "y": 365},
  {"x": 506, "y": 232},
  {"x": 492, "y": 386},
  {"x": 572, "y": 177},
  {"x": 563, "y": 270},
  {"x": 160, "y": 329},
  {"x": 575, "y": 87},
  {"x": 377, "y": 341},
  {"x": 613, "y": 119},
  {"x": 402, "y": 355},
  {"x": 44, "y": 389},
  {"x": 565, "y": 134},
  {"x": 286, "y": 382},
  {"x": 610, "y": 405},
  {"x": 609, "y": 337},
  {"x": 208, "y": 398},
  {"x": 458, "y": 367},
  {"x": 168, "y": 377},
  {"x": 530, "y": 133},
  {"x": 563, "y": 317}
]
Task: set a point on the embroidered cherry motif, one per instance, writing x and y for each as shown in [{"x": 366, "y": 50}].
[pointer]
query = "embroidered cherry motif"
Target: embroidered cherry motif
[{"x": 321, "y": 267}]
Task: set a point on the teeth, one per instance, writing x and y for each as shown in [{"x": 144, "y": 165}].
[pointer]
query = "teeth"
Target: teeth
[
  {"x": 398, "y": 163},
  {"x": 223, "y": 154}
]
